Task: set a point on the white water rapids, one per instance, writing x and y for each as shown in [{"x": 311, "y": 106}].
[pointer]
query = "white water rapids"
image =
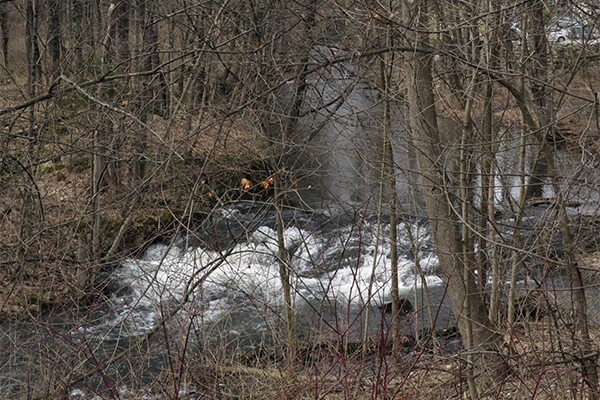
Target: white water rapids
[{"x": 332, "y": 273}]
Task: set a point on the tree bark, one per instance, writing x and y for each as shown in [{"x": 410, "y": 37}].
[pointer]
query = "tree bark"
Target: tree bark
[
  {"x": 28, "y": 216},
  {"x": 470, "y": 311},
  {"x": 392, "y": 199},
  {"x": 100, "y": 134},
  {"x": 156, "y": 98},
  {"x": 540, "y": 97},
  {"x": 32, "y": 48},
  {"x": 283, "y": 259},
  {"x": 55, "y": 9},
  {"x": 488, "y": 169},
  {"x": 4, "y": 29},
  {"x": 121, "y": 35},
  {"x": 587, "y": 356}
]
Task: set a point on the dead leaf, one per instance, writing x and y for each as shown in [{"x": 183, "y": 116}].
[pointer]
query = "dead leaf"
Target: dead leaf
[{"x": 246, "y": 184}]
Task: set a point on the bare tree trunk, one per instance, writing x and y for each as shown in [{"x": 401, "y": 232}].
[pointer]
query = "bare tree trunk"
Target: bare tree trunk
[
  {"x": 389, "y": 181},
  {"x": 100, "y": 135},
  {"x": 283, "y": 259},
  {"x": 32, "y": 48},
  {"x": 392, "y": 196},
  {"x": 282, "y": 141},
  {"x": 55, "y": 9},
  {"x": 4, "y": 29},
  {"x": 156, "y": 89},
  {"x": 487, "y": 202},
  {"x": 28, "y": 216},
  {"x": 517, "y": 241},
  {"x": 468, "y": 250},
  {"x": 588, "y": 356},
  {"x": 488, "y": 169},
  {"x": 540, "y": 97},
  {"x": 121, "y": 28},
  {"x": 479, "y": 339}
]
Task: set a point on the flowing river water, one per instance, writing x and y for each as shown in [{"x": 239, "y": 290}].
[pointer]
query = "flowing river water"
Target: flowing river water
[
  {"x": 340, "y": 271},
  {"x": 337, "y": 270}
]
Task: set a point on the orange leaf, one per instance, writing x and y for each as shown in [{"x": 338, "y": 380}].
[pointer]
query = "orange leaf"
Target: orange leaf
[
  {"x": 295, "y": 181},
  {"x": 265, "y": 185},
  {"x": 246, "y": 184}
]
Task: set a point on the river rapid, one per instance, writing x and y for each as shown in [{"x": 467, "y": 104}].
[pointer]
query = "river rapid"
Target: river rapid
[
  {"x": 219, "y": 289},
  {"x": 338, "y": 268}
]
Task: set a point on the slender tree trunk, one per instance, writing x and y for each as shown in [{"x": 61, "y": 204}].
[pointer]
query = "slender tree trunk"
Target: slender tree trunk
[
  {"x": 32, "y": 49},
  {"x": 5, "y": 33},
  {"x": 100, "y": 134},
  {"x": 487, "y": 200},
  {"x": 392, "y": 199},
  {"x": 121, "y": 28},
  {"x": 28, "y": 216},
  {"x": 55, "y": 9},
  {"x": 468, "y": 250},
  {"x": 517, "y": 240},
  {"x": 156, "y": 88},
  {"x": 488, "y": 167},
  {"x": 284, "y": 143},
  {"x": 283, "y": 259}
]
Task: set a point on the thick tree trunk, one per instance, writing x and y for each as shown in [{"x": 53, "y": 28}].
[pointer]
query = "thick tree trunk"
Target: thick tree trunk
[
  {"x": 540, "y": 97},
  {"x": 584, "y": 342},
  {"x": 470, "y": 311}
]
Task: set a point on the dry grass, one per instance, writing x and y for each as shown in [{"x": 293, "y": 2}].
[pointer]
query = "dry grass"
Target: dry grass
[{"x": 533, "y": 371}]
